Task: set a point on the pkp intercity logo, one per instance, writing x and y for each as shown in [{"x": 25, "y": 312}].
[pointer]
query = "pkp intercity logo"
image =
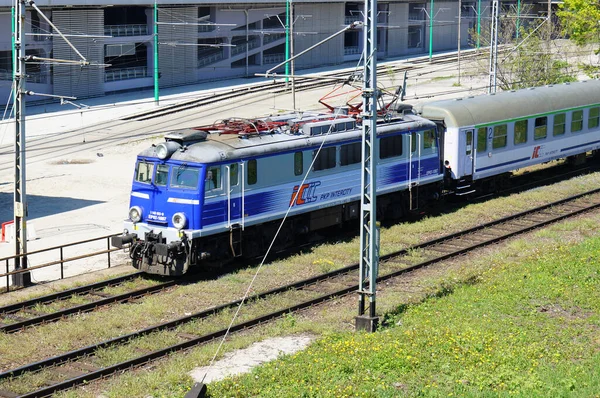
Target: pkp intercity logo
[{"x": 304, "y": 193}]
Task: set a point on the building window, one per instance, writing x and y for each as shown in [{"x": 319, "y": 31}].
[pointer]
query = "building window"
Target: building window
[
  {"x": 390, "y": 147},
  {"x": 521, "y": 132},
  {"x": 559, "y": 124},
  {"x": 252, "y": 172},
  {"x": 499, "y": 139},
  {"x": 541, "y": 129},
  {"x": 350, "y": 154},
  {"x": 576, "y": 121},
  {"x": 298, "y": 164},
  {"x": 325, "y": 159}
]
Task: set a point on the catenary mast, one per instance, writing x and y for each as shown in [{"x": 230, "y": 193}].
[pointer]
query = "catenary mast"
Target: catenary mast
[{"x": 369, "y": 232}]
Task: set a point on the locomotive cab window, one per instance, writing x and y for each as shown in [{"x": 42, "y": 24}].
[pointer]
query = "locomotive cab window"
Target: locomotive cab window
[
  {"x": 390, "y": 147},
  {"x": 185, "y": 177},
  {"x": 162, "y": 175},
  {"x": 481, "y": 139},
  {"x": 212, "y": 179},
  {"x": 559, "y": 124},
  {"x": 576, "y": 121},
  {"x": 325, "y": 159},
  {"x": 144, "y": 171},
  {"x": 413, "y": 141},
  {"x": 521, "y": 132},
  {"x": 593, "y": 118},
  {"x": 540, "y": 131},
  {"x": 429, "y": 141},
  {"x": 350, "y": 154},
  {"x": 499, "y": 139}
]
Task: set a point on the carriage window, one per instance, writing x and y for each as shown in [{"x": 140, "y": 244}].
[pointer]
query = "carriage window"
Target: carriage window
[
  {"x": 429, "y": 139},
  {"x": 325, "y": 159},
  {"x": 481, "y": 139},
  {"x": 350, "y": 154},
  {"x": 162, "y": 175},
  {"x": 577, "y": 121},
  {"x": 233, "y": 174},
  {"x": 521, "y": 132},
  {"x": 559, "y": 124},
  {"x": 413, "y": 141},
  {"x": 144, "y": 171},
  {"x": 298, "y": 164},
  {"x": 593, "y": 118},
  {"x": 252, "y": 172},
  {"x": 185, "y": 177},
  {"x": 390, "y": 147},
  {"x": 541, "y": 130},
  {"x": 499, "y": 139}
]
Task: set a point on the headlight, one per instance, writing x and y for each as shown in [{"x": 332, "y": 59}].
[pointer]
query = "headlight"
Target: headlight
[
  {"x": 179, "y": 220},
  {"x": 166, "y": 149},
  {"x": 135, "y": 214}
]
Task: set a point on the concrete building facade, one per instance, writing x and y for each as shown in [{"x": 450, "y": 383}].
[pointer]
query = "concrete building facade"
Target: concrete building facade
[{"x": 209, "y": 41}]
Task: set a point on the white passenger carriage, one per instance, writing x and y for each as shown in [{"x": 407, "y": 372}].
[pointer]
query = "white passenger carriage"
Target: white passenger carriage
[{"x": 486, "y": 137}]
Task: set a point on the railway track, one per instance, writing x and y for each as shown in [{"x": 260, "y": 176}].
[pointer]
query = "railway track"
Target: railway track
[
  {"x": 77, "y": 367},
  {"x": 56, "y": 306}
]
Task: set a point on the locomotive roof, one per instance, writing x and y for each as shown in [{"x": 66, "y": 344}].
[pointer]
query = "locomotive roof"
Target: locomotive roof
[
  {"x": 223, "y": 147},
  {"x": 507, "y": 105}
]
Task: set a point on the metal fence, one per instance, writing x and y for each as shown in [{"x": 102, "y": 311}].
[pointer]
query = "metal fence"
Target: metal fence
[{"x": 61, "y": 257}]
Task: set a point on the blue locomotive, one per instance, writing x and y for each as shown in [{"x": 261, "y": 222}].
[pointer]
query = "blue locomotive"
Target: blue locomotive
[
  {"x": 213, "y": 193},
  {"x": 209, "y": 194}
]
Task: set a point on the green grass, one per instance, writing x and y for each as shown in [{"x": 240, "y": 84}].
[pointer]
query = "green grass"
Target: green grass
[
  {"x": 52, "y": 339},
  {"x": 526, "y": 326}
]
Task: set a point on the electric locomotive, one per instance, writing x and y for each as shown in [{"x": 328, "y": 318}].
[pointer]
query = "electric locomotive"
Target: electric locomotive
[{"x": 210, "y": 194}]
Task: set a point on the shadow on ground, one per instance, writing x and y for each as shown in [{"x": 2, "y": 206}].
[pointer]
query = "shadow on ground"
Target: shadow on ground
[{"x": 41, "y": 206}]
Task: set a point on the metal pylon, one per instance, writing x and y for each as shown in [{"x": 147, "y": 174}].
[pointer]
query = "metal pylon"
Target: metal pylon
[
  {"x": 369, "y": 236},
  {"x": 493, "y": 47},
  {"x": 20, "y": 195}
]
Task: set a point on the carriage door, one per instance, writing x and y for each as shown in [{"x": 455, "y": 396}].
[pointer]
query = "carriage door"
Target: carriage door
[
  {"x": 414, "y": 169},
  {"x": 469, "y": 159},
  {"x": 235, "y": 215}
]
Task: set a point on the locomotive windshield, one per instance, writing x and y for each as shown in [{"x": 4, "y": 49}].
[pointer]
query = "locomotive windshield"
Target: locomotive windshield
[
  {"x": 162, "y": 175},
  {"x": 185, "y": 177},
  {"x": 144, "y": 171}
]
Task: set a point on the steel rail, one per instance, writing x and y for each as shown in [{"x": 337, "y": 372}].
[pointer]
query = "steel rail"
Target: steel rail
[
  {"x": 54, "y": 316},
  {"x": 66, "y": 293},
  {"x": 202, "y": 339}
]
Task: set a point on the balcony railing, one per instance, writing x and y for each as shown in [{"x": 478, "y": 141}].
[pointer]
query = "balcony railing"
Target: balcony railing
[
  {"x": 32, "y": 77},
  {"x": 126, "y": 30},
  {"x": 206, "y": 28},
  {"x": 125, "y": 74},
  {"x": 351, "y": 50},
  {"x": 273, "y": 37},
  {"x": 209, "y": 59},
  {"x": 273, "y": 58},
  {"x": 353, "y": 18},
  {"x": 241, "y": 47}
]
